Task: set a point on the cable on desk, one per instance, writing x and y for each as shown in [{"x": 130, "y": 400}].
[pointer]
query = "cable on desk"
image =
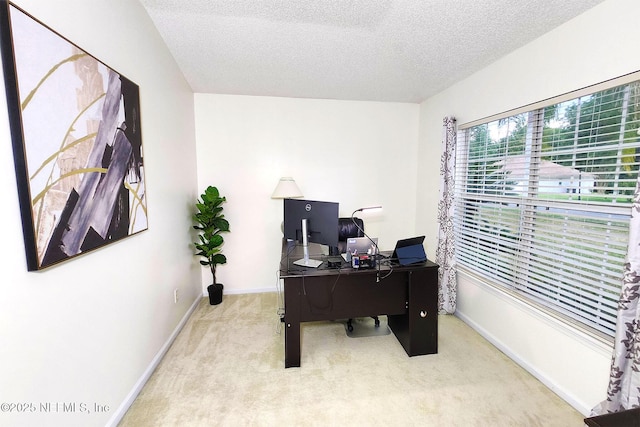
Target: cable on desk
[
  {"x": 280, "y": 310},
  {"x": 388, "y": 260},
  {"x": 281, "y": 306},
  {"x": 328, "y": 308},
  {"x": 290, "y": 248}
]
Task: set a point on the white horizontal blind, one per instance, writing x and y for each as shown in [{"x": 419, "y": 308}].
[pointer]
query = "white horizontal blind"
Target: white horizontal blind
[{"x": 543, "y": 201}]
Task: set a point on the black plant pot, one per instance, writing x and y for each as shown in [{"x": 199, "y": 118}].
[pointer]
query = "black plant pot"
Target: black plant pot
[{"x": 215, "y": 293}]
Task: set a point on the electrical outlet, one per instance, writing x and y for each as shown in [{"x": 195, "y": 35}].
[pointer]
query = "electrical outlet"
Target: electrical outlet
[{"x": 175, "y": 296}]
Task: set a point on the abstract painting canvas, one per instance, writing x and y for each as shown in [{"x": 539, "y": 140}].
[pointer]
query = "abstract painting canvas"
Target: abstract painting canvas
[{"x": 75, "y": 129}]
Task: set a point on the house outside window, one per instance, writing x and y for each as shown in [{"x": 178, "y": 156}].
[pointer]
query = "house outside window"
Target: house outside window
[{"x": 543, "y": 202}]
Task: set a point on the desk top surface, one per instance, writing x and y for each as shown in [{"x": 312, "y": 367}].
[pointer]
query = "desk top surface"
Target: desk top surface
[{"x": 293, "y": 251}]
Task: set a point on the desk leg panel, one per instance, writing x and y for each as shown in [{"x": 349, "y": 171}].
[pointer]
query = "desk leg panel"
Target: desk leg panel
[
  {"x": 417, "y": 329},
  {"x": 292, "y": 290},
  {"x": 423, "y": 311}
]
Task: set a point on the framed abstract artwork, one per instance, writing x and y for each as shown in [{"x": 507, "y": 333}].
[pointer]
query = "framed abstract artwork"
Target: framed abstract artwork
[{"x": 77, "y": 145}]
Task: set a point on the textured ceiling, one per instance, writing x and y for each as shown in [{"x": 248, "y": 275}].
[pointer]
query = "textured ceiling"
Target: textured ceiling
[{"x": 374, "y": 50}]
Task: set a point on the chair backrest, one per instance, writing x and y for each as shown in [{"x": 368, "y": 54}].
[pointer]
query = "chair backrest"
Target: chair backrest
[{"x": 347, "y": 229}]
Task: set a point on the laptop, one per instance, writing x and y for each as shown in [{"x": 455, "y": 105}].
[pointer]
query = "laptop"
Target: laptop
[
  {"x": 409, "y": 251},
  {"x": 360, "y": 244}
]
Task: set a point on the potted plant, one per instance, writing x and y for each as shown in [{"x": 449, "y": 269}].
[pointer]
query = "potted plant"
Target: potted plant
[{"x": 210, "y": 222}]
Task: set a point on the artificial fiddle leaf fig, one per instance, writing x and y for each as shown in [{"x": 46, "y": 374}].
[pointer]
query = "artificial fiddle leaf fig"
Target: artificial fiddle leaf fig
[{"x": 210, "y": 221}]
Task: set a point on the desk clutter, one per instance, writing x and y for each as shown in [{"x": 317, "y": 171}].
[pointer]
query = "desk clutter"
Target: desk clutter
[
  {"x": 312, "y": 221},
  {"x": 401, "y": 256},
  {"x": 356, "y": 249}
]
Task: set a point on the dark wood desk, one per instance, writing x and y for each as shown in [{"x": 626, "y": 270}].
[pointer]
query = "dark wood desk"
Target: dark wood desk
[
  {"x": 407, "y": 295},
  {"x": 623, "y": 418}
]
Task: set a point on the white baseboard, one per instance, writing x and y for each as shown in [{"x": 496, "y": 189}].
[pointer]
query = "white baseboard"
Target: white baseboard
[
  {"x": 131, "y": 397},
  {"x": 242, "y": 291},
  {"x": 567, "y": 397}
]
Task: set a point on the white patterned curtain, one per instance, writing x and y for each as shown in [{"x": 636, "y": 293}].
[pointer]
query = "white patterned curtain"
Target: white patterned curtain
[
  {"x": 445, "y": 252},
  {"x": 624, "y": 380}
]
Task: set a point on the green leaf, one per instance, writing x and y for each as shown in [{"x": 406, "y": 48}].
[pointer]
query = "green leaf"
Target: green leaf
[
  {"x": 215, "y": 241},
  {"x": 219, "y": 259},
  {"x": 222, "y": 224}
]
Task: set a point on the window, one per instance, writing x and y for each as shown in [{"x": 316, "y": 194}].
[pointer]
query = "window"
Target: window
[{"x": 543, "y": 201}]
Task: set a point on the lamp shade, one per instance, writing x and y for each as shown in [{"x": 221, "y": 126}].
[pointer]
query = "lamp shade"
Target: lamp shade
[{"x": 286, "y": 189}]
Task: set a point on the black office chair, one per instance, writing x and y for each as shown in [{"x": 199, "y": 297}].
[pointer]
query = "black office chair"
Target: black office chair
[{"x": 347, "y": 229}]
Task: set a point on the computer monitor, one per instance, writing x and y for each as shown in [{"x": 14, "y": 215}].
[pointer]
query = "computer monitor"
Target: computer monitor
[{"x": 311, "y": 221}]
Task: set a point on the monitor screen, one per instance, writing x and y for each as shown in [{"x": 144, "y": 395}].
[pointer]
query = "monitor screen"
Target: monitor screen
[{"x": 322, "y": 221}]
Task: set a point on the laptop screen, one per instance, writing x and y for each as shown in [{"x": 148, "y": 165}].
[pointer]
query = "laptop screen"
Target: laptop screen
[
  {"x": 409, "y": 251},
  {"x": 361, "y": 244}
]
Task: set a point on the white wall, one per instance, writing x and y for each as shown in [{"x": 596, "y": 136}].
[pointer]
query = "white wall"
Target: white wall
[
  {"x": 596, "y": 46},
  {"x": 355, "y": 153},
  {"x": 86, "y": 330}
]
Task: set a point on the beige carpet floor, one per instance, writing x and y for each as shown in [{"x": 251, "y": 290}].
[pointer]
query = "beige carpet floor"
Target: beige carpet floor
[{"x": 226, "y": 368}]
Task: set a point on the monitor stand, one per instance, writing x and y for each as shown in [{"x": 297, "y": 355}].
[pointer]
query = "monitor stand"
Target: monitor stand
[{"x": 306, "y": 261}]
